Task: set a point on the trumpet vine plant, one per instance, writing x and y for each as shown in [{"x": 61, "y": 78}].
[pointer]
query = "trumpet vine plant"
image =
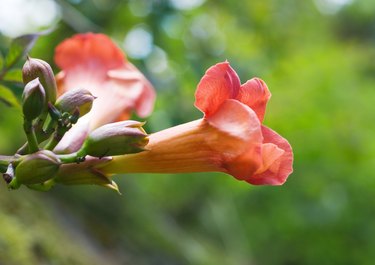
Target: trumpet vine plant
[{"x": 78, "y": 130}]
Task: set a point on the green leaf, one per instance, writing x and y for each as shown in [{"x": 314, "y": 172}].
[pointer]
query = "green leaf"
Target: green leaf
[
  {"x": 8, "y": 98},
  {"x": 13, "y": 75},
  {"x": 19, "y": 48},
  {"x": 1, "y": 61}
]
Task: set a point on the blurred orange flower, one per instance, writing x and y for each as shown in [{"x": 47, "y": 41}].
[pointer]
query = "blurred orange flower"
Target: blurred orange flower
[
  {"x": 93, "y": 62},
  {"x": 229, "y": 138}
]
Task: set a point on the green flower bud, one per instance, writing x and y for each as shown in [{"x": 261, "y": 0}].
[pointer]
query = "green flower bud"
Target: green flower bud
[
  {"x": 34, "y": 68},
  {"x": 75, "y": 98},
  {"x": 33, "y": 99},
  {"x": 124, "y": 137},
  {"x": 37, "y": 167}
]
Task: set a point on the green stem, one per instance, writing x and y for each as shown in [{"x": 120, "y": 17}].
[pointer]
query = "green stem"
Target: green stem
[
  {"x": 38, "y": 126},
  {"x": 5, "y": 161},
  {"x": 41, "y": 135},
  {"x": 72, "y": 158},
  {"x": 56, "y": 137},
  {"x": 49, "y": 128},
  {"x": 23, "y": 149},
  {"x": 30, "y": 135},
  {"x": 52, "y": 142}
]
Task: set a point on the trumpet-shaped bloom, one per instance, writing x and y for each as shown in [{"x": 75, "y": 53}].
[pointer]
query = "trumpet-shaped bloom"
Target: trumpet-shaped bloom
[
  {"x": 93, "y": 62},
  {"x": 229, "y": 138}
]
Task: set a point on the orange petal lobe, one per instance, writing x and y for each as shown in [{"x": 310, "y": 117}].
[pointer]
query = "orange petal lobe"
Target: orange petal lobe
[
  {"x": 219, "y": 83},
  {"x": 89, "y": 51},
  {"x": 280, "y": 166},
  {"x": 241, "y": 149},
  {"x": 255, "y": 94},
  {"x": 130, "y": 76},
  {"x": 236, "y": 119}
]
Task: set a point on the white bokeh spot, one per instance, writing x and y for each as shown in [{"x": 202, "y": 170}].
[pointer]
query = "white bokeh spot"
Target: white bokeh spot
[
  {"x": 138, "y": 43},
  {"x": 19, "y": 17},
  {"x": 186, "y": 4}
]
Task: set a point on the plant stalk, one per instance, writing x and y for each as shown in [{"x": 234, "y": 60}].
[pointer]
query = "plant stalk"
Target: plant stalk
[{"x": 30, "y": 135}]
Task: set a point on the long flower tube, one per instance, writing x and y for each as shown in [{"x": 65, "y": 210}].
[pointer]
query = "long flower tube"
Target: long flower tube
[
  {"x": 93, "y": 62},
  {"x": 229, "y": 138}
]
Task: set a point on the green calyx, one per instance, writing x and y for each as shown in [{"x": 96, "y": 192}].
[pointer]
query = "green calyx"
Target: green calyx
[{"x": 37, "y": 167}]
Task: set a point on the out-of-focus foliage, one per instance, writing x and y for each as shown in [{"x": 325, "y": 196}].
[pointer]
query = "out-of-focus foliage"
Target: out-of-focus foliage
[
  {"x": 318, "y": 61},
  {"x": 35, "y": 230}
]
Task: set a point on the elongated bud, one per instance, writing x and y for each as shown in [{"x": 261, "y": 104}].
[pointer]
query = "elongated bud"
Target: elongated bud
[
  {"x": 34, "y": 68},
  {"x": 85, "y": 173},
  {"x": 125, "y": 137},
  {"x": 37, "y": 167},
  {"x": 33, "y": 99},
  {"x": 75, "y": 98}
]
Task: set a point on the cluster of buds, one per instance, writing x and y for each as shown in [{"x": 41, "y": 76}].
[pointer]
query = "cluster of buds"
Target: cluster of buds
[
  {"x": 46, "y": 120},
  {"x": 73, "y": 139}
]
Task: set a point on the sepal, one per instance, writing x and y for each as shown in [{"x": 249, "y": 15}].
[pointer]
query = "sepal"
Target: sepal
[
  {"x": 37, "y": 167},
  {"x": 86, "y": 173}
]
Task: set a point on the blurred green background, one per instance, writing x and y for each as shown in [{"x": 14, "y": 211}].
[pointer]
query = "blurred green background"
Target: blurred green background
[{"x": 317, "y": 57}]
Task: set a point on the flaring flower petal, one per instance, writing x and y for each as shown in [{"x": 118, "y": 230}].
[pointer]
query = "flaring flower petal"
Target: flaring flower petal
[
  {"x": 219, "y": 83},
  {"x": 242, "y": 157},
  {"x": 255, "y": 94},
  {"x": 239, "y": 121},
  {"x": 281, "y": 167},
  {"x": 145, "y": 99},
  {"x": 88, "y": 51}
]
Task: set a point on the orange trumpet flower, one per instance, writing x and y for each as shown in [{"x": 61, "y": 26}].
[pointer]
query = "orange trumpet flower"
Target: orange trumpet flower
[{"x": 229, "y": 138}]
